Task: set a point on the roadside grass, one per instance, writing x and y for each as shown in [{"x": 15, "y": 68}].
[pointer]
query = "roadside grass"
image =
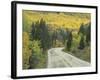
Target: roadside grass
[
  {"x": 41, "y": 64},
  {"x": 43, "y": 61},
  {"x": 84, "y": 54}
]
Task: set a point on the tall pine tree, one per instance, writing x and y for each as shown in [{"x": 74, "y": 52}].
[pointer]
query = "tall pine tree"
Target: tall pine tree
[
  {"x": 82, "y": 43},
  {"x": 44, "y": 35},
  {"x": 82, "y": 29},
  {"x": 88, "y": 34},
  {"x": 69, "y": 40}
]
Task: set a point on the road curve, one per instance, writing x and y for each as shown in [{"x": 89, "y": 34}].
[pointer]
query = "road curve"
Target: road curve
[{"x": 57, "y": 58}]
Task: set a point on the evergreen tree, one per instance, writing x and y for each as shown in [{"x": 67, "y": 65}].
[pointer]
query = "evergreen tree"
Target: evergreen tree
[
  {"x": 54, "y": 37},
  {"x": 44, "y": 35},
  {"x": 69, "y": 40},
  {"x": 82, "y": 29},
  {"x": 63, "y": 33},
  {"x": 35, "y": 32},
  {"x": 32, "y": 31},
  {"x": 88, "y": 34},
  {"x": 82, "y": 43},
  {"x": 40, "y": 32}
]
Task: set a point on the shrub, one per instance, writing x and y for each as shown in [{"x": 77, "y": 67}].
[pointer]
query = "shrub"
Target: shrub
[
  {"x": 26, "y": 51},
  {"x": 36, "y": 55}
]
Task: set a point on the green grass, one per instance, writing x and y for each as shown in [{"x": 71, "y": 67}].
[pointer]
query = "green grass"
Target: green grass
[
  {"x": 84, "y": 54},
  {"x": 43, "y": 61}
]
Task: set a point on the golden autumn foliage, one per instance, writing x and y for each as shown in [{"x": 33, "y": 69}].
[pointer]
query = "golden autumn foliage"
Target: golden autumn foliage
[
  {"x": 57, "y": 20},
  {"x": 26, "y": 50}
]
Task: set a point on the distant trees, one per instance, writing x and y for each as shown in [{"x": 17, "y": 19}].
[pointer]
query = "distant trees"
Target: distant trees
[
  {"x": 84, "y": 34},
  {"x": 58, "y": 37},
  {"x": 54, "y": 37},
  {"x": 64, "y": 35}
]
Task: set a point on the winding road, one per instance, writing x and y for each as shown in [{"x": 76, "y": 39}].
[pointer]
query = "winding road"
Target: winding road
[{"x": 57, "y": 58}]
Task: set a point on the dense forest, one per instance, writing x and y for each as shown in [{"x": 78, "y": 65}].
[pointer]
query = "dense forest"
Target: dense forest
[{"x": 45, "y": 30}]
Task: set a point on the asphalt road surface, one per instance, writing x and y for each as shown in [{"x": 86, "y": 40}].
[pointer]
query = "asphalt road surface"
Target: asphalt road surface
[{"x": 57, "y": 58}]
